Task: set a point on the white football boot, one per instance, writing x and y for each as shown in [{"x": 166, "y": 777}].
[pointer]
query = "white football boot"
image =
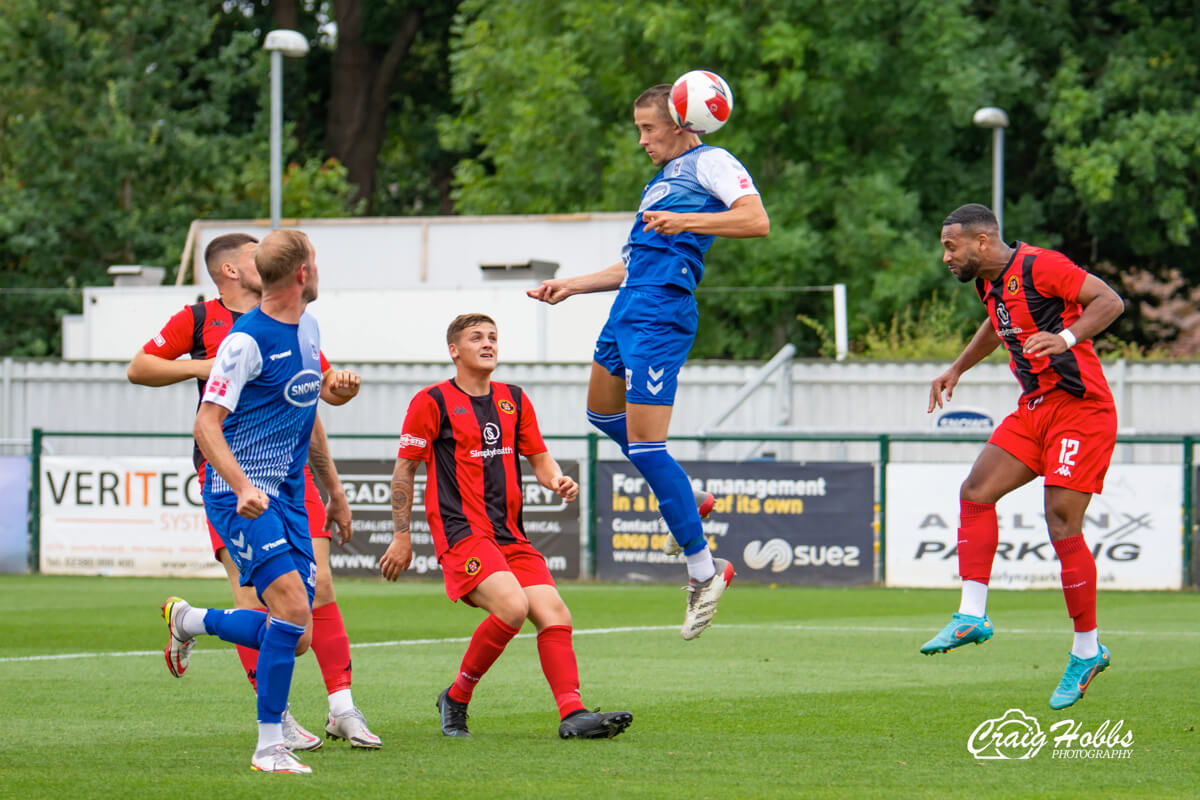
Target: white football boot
[
  {"x": 703, "y": 597},
  {"x": 277, "y": 758},
  {"x": 704, "y": 504},
  {"x": 352, "y": 727},
  {"x": 179, "y": 648},
  {"x": 295, "y": 737}
]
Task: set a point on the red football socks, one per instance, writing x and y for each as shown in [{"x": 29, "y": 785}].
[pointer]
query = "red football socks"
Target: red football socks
[
  {"x": 560, "y": 668},
  {"x": 1078, "y": 581},
  {"x": 978, "y": 535},
  {"x": 331, "y": 646},
  {"x": 487, "y": 643},
  {"x": 249, "y": 659}
]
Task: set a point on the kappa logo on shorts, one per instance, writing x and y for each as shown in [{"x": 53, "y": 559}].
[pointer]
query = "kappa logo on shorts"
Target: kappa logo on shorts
[
  {"x": 472, "y": 566},
  {"x": 507, "y": 407},
  {"x": 1063, "y": 470}
]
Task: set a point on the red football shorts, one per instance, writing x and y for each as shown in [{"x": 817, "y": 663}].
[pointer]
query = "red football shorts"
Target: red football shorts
[
  {"x": 312, "y": 504},
  {"x": 1067, "y": 440},
  {"x": 471, "y": 560}
]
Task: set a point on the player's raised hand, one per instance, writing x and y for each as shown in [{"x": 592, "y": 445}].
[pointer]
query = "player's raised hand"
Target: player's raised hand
[
  {"x": 564, "y": 487},
  {"x": 551, "y": 291},
  {"x": 398, "y": 557},
  {"x": 343, "y": 383},
  {"x": 942, "y": 383},
  {"x": 252, "y": 502},
  {"x": 337, "y": 512}
]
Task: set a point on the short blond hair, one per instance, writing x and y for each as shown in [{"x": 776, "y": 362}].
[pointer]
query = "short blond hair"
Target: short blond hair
[{"x": 280, "y": 254}]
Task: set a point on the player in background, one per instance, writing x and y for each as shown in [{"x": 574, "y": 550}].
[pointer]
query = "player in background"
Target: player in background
[
  {"x": 254, "y": 426},
  {"x": 471, "y": 432},
  {"x": 700, "y": 192},
  {"x": 197, "y": 330},
  {"x": 1045, "y": 310}
]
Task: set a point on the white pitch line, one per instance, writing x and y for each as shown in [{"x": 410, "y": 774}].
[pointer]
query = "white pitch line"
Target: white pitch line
[{"x": 628, "y": 629}]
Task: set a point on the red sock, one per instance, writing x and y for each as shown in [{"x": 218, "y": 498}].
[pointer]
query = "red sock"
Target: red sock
[
  {"x": 1078, "y": 581},
  {"x": 487, "y": 643},
  {"x": 331, "y": 646},
  {"x": 559, "y": 667},
  {"x": 249, "y": 658},
  {"x": 977, "y": 539}
]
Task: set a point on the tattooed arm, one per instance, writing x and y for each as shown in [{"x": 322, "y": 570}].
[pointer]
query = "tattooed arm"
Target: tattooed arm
[
  {"x": 399, "y": 553},
  {"x": 337, "y": 510}
]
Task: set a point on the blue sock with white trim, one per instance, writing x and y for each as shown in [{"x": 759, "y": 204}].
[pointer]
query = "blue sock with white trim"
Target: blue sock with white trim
[
  {"x": 612, "y": 426},
  {"x": 242, "y": 626},
  {"x": 276, "y": 660},
  {"x": 671, "y": 486}
]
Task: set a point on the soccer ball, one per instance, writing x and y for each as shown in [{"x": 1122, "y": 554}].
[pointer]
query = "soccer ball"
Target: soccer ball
[{"x": 700, "y": 101}]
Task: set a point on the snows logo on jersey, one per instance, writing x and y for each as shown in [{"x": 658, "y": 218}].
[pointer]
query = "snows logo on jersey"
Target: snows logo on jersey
[
  {"x": 655, "y": 193},
  {"x": 304, "y": 388}
]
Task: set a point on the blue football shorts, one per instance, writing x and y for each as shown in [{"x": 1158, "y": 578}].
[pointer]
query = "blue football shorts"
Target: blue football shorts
[
  {"x": 267, "y": 547},
  {"x": 647, "y": 339}
]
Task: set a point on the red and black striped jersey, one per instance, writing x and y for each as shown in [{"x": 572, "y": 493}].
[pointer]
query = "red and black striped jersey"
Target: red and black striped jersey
[
  {"x": 1039, "y": 291},
  {"x": 471, "y": 447},
  {"x": 197, "y": 331}
]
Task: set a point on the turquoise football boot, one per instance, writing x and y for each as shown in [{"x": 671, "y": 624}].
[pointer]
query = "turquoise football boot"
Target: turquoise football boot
[
  {"x": 963, "y": 629},
  {"x": 1079, "y": 675}
]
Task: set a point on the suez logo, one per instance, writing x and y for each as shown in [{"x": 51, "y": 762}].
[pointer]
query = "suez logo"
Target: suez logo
[
  {"x": 304, "y": 388},
  {"x": 779, "y": 554},
  {"x": 1018, "y": 736},
  {"x": 1113, "y": 543}
]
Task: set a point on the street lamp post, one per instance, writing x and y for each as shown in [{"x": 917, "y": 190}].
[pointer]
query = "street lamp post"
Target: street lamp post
[
  {"x": 997, "y": 120},
  {"x": 280, "y": 43}
]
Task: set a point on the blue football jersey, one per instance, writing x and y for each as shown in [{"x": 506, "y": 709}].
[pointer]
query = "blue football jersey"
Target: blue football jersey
[
  {"x": 704, "y": 179},
  {"x": 268, "y": 374}
]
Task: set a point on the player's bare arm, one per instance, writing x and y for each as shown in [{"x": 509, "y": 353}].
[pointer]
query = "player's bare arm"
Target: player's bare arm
[
  {"x": 745, "y": 219},
  {"x": 982, "y": 343},
  {"x": 337, "y": 510},
  {"x": 398, "y": 556},
  {"x": 558, "y": 289},
  {"x": 339, "y": 386},
  {"x": 1101, "y": 306},
  {"x": 549, "y": 474},
  {"x": 251, "y": 501},
  {"x": 150, "y": 370}
]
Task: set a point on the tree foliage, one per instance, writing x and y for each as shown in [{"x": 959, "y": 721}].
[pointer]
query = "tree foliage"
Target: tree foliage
[
  {"x": 854, "y": 118},
  {"x": 121, "y": 122}
]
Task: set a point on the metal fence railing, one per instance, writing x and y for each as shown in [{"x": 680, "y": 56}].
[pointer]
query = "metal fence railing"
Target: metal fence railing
[{"x": 882, "y": 445}]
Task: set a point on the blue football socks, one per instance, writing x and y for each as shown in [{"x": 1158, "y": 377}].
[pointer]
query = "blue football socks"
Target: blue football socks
[
  {"x": 670, "y": 484},
  {"x": 237, "y": 625},
  {"x": 612, "y": 426},
  {"x": 276, "y": 660}
]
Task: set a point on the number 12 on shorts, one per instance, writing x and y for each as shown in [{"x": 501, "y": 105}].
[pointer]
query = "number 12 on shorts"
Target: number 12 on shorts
[{"x": 1066, "y": 455}]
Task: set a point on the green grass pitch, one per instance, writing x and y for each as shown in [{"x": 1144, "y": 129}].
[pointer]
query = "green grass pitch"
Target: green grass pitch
[{"x": 795, "y": 692}]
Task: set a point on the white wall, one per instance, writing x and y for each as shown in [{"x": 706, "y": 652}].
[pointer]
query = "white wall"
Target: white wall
[{"x": 389, "y": 287}]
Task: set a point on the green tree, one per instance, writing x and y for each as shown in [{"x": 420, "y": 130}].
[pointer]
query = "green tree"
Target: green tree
[{"x": 120, "y": 122}]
